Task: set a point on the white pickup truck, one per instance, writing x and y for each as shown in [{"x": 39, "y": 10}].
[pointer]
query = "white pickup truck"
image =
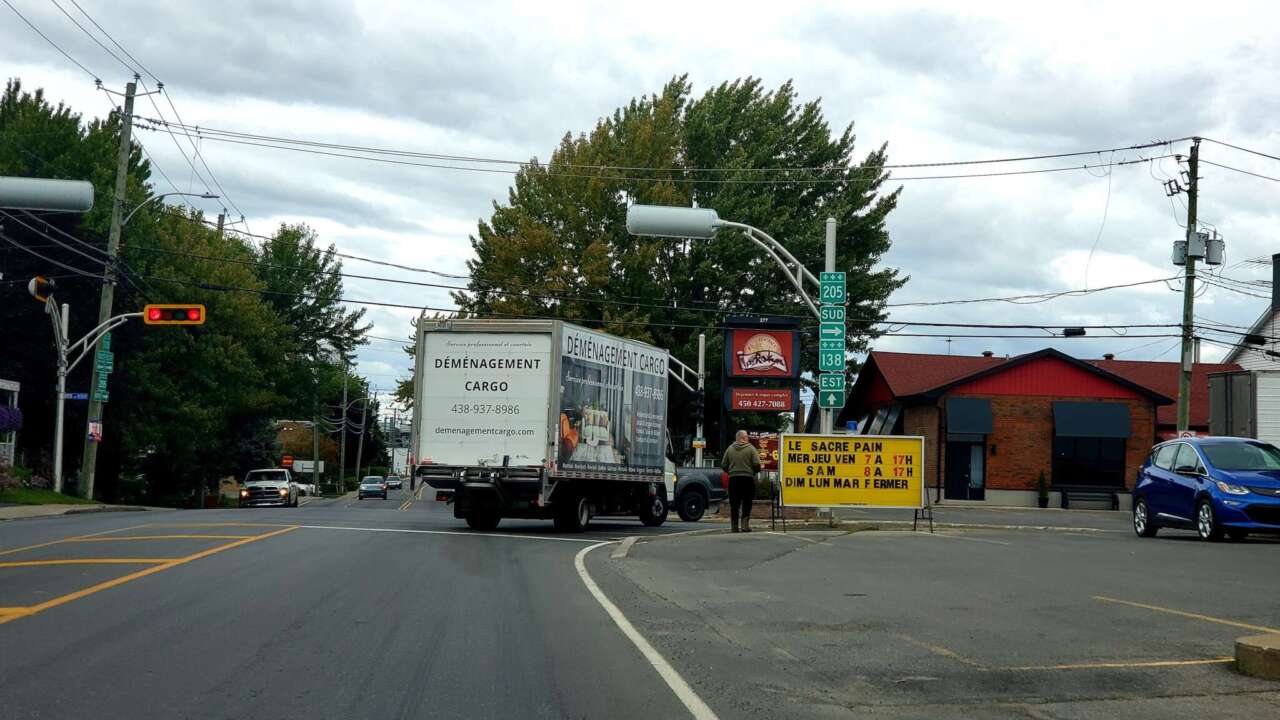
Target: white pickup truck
[{"x": 270, "y": 486}]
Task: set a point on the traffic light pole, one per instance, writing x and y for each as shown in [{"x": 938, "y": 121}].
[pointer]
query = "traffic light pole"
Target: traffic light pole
[
  {"x": 107, "y": 298},
  {"x": 702, "y": 377}
]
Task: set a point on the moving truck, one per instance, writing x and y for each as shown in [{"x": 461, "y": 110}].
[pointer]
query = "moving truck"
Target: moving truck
[{"x": 540, "y": 419}]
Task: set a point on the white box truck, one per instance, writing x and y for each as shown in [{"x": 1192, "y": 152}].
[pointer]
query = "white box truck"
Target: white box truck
[{"x": 541, "y": 419}]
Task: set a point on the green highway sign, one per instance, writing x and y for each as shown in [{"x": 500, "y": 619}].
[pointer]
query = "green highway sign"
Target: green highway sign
[
  {"x": 831, "y": 313},
  {"x": 831, "y": 399},
  {"x": 106, "y": 341},
  {"x": 831, "y": 360},
  {"x": 106, "y": 361},
  {"x": 824, "y": 344},
  {"x": 831, "y": 381},
  {"x": 832, "y": 288},
  {"x": 831, "y": 331},
  {"x": 100, "y": 396}
]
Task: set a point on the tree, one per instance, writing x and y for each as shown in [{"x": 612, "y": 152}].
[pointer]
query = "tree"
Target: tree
[{"x": 559, "y": 246}]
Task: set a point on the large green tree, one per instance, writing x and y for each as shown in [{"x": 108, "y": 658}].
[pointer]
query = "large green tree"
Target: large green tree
[{"x": 559, "y": 247}]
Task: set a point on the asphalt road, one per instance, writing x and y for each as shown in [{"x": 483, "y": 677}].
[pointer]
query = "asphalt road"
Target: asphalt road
[
  {"x": 337, "y": 609},
  {"x": 973, "y": 623}
]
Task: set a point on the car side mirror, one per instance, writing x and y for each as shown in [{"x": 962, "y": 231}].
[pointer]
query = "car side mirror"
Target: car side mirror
[{"x": 1188, "y": 470}]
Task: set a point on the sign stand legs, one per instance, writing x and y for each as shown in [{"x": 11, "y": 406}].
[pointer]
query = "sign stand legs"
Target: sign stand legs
[{"x": 924, "y": 513}]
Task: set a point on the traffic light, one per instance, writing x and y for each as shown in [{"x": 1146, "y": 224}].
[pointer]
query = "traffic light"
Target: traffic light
[
  {"x": 699, "y": 405},
  {"x": 173, "y": 314},
  {"x": 40, "y": 288}
]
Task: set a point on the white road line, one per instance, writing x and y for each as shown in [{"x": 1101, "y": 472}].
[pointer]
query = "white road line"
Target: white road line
[
  {"x": 623, "y": 548},
  {"x": 449, "y": 532},
  {"x": 697, "y": 708}
]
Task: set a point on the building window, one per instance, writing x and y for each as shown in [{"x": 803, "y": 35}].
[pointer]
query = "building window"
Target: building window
[{"x": 1088, "y": 461}]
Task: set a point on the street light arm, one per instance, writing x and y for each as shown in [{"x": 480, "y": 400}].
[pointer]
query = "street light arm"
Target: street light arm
[
  {"x": 207, "y": 196},
  {"x": 91, "y": 338},
  {"x": 797, "y": 276},
  {"x": 679, "y": 376}
]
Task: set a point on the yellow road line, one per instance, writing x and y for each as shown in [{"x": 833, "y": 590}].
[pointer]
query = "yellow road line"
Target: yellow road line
[
  {"x": 55, "y": 542},
  {"x": 86, "y": 561},
  {"x": 209, "y": 525},
  {"x": 405, "y": 505},
  {"x": 14, "y": 611},
  {"x": 63, "y": 599},
  {"x": 939, "y": 650},
  {"x": 123, "y": 538},
  {"x": 1182, "y": 613},
  {"x": 1114, "y": 665}
]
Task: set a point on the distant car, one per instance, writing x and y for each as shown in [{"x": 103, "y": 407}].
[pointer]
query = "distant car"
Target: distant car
[
  {"x": 1213, "y": 485},
  {"x": 394, "y": 481},
  {"x": 372, "y": 486}
]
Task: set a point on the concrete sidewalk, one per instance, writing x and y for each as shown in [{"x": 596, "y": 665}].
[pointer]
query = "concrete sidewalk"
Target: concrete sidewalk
[{"x": 21, "y": 512}]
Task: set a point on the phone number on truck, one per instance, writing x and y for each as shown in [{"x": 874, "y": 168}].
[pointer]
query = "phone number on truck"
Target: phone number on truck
[{"x": 484, "y": 409}]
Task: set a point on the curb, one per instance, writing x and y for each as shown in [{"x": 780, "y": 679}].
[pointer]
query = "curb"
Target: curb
[
  {"x": 75, "y": 510},
  {"x": 1259, "y": 656}
]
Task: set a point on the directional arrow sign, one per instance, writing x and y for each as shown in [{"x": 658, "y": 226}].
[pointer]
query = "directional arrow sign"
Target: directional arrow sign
[
  {"x": 831, "y": 381},
  {"x": 831, "y": 313},
  {"x": 831, "y": 331},
  {"x": 831, "y": 399},
  {"x": 831, "y": 360}
]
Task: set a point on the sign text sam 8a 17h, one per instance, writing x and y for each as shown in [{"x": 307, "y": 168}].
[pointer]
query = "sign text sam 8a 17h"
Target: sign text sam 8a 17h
[{"x": 852, "y": 471}]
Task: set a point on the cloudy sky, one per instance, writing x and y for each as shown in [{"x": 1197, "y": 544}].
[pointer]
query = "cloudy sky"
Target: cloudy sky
[{"x": 508, "y": 80}]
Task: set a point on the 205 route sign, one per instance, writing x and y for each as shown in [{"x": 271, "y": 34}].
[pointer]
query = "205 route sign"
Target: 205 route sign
[
  {"x": 852, "y": 471},
  {"x": 831, "y": 286}
]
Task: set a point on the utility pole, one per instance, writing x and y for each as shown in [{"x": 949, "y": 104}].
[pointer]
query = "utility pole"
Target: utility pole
[
  {"x": 222, "y": 216},
  {"x": 702, "y": 376},
  {"x": 342, "y": 449},
  {"x": 364, "y": 408},
  {"x": 107, "y": 299},
  {"x": 1189, "y": 292}
]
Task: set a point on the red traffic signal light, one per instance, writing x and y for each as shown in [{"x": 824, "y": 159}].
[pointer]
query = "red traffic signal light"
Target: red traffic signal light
[{"x": 174, "y": 314}]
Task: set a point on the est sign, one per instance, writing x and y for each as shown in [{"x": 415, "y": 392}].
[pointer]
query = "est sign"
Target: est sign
[{"x": 852, "y": 471}]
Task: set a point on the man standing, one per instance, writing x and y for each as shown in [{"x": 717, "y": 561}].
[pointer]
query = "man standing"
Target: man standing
[{"x": 741, "y": 462}]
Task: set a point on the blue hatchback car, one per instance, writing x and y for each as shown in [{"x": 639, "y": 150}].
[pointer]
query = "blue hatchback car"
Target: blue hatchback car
[{"x": 1213, "y": 485}]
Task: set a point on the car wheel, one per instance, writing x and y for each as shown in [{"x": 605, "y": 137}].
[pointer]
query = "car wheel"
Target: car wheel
[
  {"x": 1207, "y": 526},
  {"x": 1237, "y": 534},
  {"x": 691, "y": 506},
  {"x": 1143, "y": 525}
]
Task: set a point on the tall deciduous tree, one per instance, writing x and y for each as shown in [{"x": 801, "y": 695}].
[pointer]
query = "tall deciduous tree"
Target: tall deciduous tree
[{"x": 559, "y": 246}]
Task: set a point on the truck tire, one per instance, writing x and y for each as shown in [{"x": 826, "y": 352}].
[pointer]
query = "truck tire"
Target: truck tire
[
  {"x": 691, "y": 505},
  {"x": 574, "y": 515},
  {"x": 654, "y": 511},
  {"x": 483, "y": 520}
]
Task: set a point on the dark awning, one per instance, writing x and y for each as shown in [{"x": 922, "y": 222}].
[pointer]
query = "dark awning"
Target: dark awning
[
  {"x": 1091, "y": 419},
  {"x": 969, "y": 415}
]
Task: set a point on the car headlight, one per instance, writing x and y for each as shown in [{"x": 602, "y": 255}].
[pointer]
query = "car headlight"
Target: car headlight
[
  {"x": 1230, "y": 489},
  {"x": 284, "y": 491},
  {"x": 244, "y": 492}
]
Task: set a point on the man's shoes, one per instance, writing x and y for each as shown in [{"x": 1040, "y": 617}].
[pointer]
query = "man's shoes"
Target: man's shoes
[
  {"x": 735, "y": 524},
  {"x": 746, "y": 524}
]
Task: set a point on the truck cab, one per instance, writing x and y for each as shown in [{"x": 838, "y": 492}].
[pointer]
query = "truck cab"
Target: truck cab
[{"x": 269, "y": 487}]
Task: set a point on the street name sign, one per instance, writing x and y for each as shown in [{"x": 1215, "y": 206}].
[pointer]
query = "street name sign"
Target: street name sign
[{"x": 852, "y": 471}]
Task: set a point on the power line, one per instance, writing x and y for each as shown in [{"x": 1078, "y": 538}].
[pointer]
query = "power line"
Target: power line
[
  {"x": 113, "y": 41},
  {"x": 93, "y": 37},
  {"x": 1030, "y": 299},
  {"x": 1236, "y": 169},
  {"x": 1259, "y": 153},
  {"x": 55, "y": 45},
  {"x": 49, "y": 260},
  {"x": 628, "y": 168},
  {"x": 878, "y": 172}
]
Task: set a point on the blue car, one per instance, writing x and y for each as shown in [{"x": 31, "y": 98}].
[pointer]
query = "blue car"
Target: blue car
[{"x": 1213, "y": 485}]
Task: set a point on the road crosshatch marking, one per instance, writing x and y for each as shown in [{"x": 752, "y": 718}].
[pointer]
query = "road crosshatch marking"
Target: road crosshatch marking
[{"x": 9, "y": 614}]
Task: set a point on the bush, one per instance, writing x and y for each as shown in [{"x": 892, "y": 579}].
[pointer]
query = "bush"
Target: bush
[{"x": 9, "y": 479}]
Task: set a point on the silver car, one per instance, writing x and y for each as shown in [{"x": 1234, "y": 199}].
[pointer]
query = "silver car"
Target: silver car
[
  {"x": 394, "y": 482},
  {"x": 371, "y": 486}
]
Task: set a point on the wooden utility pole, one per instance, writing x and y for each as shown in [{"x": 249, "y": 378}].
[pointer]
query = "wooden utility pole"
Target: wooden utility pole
[
  {"x": 1189, "y": 292},
  {"x": 107, "y": 298}
]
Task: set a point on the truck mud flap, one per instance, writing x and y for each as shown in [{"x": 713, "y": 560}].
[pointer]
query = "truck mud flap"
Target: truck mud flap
[
  {"x": 477, "y": 495},
  {"x": 440, "y": 478}
]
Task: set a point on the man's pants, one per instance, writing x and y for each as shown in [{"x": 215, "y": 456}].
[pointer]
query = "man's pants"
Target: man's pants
[{"x": 741, "y": 492}]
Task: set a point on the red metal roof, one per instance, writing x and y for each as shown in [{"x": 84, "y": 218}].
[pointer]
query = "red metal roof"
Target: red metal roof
[
  {"x": 912, "y": 373},
  {"x": 1163, "y": 378}
]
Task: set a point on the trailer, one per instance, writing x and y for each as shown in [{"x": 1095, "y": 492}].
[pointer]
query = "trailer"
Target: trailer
[{"x": 540, "y": 419}]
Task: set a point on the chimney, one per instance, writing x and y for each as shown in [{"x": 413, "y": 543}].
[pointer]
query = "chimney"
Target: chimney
[
  {"x": 987, "y": 353},
  {"x": 1275, "y": 281},
  {"x": 1108, "y": 356}
]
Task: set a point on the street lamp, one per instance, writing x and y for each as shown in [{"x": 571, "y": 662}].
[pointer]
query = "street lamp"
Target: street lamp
[
  {"x": 205, "y": 195},
  {"x": 704, "y": 223}
]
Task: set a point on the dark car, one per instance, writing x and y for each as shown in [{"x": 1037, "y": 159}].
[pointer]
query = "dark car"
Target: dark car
[
  {"x": 394, "y": 481},
  {"x": 1213, "y": 485},
  {"x": 698, "y": 488},
  {"x": 371, "y": 486}
]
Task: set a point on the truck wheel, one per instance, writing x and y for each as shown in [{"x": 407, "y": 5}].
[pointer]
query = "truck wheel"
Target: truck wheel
[
  {"x": 574, "y": 516},
  {"x": 691, "y": 506},
  {"x": 654, "y": 511},
  {"x": 483, "y": 520}
]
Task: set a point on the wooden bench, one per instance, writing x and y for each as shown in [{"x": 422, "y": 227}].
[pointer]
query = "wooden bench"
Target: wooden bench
[{"x": 1089, "y": 492}]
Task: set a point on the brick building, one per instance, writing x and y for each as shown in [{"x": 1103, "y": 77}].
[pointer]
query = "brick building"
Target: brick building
[{"x": 993, "y": 425}]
